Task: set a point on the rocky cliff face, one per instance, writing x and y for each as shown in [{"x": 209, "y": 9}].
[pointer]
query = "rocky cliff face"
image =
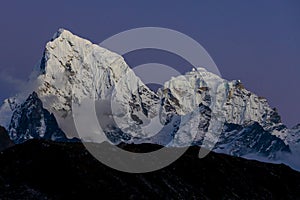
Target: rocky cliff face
[{"x": 30, "y": 120}]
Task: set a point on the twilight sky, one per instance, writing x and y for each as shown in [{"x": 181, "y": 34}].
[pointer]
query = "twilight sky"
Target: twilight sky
[{"x": 257, "y": 41}]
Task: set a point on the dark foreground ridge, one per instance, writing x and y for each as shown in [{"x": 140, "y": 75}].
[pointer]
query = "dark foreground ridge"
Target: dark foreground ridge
[
  {"x": 5, "y": 141},
  {"x": 48, "y": 170}
]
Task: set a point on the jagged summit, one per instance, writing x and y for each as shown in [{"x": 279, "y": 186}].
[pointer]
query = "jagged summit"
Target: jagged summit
[
  {"x": 63, "y": 33},
  {"x": 73, "y": 69},
  {"x": 62, "y": 40},
  {"x": 30, "y": 120},
  {"x": 60, "y": 32}
]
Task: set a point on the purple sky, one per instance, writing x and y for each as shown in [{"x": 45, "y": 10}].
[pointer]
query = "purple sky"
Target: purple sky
[{"x": 255, "y": 41}]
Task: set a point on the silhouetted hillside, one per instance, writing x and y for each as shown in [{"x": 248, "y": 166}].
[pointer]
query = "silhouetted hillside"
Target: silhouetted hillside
[{"x": 48, "y": 170}]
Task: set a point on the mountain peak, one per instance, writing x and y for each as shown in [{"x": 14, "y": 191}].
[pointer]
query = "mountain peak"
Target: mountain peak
[
  {"x": 64, "y": 38},
  {"x": 31, "y": 120},
  {"x": 61, "y": 33},
  {"x": 33, "y": 95}
]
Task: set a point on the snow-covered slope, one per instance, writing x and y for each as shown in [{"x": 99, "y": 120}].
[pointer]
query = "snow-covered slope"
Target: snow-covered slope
[
  {"x": 249, "y": 139},
  {"x": 293, "y": 137},
  {"x": 73, "y": 71},
  {"x": 7, "y": 108}
]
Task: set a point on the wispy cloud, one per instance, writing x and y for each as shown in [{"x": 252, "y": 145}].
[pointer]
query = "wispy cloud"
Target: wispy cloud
[{"x": 13, "y": 83}]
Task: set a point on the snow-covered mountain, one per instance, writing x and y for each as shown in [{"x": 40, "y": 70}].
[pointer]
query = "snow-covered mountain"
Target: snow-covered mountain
[
  {"x": 237, "y": 105},
  {"x": 73, "y": 71}
]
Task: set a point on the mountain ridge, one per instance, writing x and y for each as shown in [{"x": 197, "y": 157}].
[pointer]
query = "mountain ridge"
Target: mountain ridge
[
  {"x": 71, "y": 172},
  {"x": 189, "y": 106},
  {"x": 30, "y": 120}
]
